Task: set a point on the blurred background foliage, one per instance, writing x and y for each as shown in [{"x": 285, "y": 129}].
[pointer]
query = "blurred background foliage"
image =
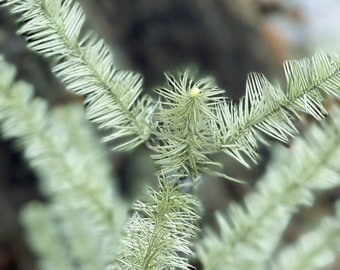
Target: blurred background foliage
[{"x": 224, "y": 38}]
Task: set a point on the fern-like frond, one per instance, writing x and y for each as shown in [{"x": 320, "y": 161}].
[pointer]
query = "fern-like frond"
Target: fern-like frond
[
  {"x": 44, "y": 237},
  {"x": 62, "y": 148},
  {"x": 187, "y": 125},
  {"x": 195, "y": 121},
  {"x": 308, "y": 77},
  {"x": 85, "y": 65},
  {"x": 313, "y": 250},
  {"x": 58, "y": 235},
  {"x": 251, "y": 231},
  {"x": 158, "y": 234},
  {"x": 268, "y": 109}
]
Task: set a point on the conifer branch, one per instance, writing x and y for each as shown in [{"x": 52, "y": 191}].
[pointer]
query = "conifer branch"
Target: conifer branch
[
  {"x": 195, "y": 120},
  {"x": 268, "y": 109},
  {"x": 62, "y": 154},
  {"x": 187, "y": 126},
  {"x": 85, "y": 65},
  {"x": 250, "y": 232},
  {"x": 184, "y": 138},
  {"x": 313, "y": 250},
  {"x": 160, "y": 230},
  {"x": 44, "y": 237},
  {"x": 63, "y": 237}
]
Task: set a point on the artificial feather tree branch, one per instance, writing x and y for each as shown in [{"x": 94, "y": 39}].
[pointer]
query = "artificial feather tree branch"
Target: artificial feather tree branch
[
  {"x": 53, "y": 29},
  {"x": 61, "y": 148},
  {"x": 250, "y": 232}
]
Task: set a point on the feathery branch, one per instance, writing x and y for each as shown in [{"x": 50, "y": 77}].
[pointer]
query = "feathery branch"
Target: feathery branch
[
  {"x": 268, "y": 109},
  {"x": 61, "y": 149},
  {"x": 85, "y": 65},
  {"x": 313, "y": 250},
  {"x": 187, "y": 126},
  {"x": 64, "y": 237},
  {"x": 160, "y": 230},
  {"x": 250, "y": 232}
]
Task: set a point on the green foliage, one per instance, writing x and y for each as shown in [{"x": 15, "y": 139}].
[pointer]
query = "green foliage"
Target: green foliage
[
  {"x": 84, "y": 221},
  {"x": 192, "y": 126},
  {"x": 161, "y": 229},
  {"x": 85, "y": 214},
  {"x": 62, "y": 148},
  {"x": 86, "y": 67},
  {"x": 315, "y": 249},
  {"x": 251, "y": 231},
  {"x": 66, "y": 238},
  {"x": 187, "y": 125},
  {"x": 184, "y": 138},
  {"x": 268, "y": 109}
]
